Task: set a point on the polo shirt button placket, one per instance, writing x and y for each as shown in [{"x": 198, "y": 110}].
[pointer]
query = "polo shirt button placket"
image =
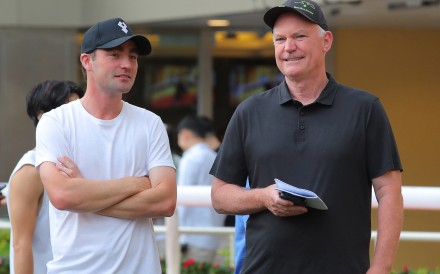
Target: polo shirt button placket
[{"x": 301, "y": 125}]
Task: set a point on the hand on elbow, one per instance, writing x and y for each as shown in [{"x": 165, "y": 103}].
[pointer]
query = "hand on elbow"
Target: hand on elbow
[{"x": 144, "y": 183}]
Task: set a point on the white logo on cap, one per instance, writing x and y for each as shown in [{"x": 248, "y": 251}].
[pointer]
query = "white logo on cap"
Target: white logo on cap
[
  {"x": 123, "y": 26},
  {"x": 305, "y": 4}
]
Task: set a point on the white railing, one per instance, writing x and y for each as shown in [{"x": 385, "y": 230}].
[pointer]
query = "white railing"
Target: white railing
[
  {"x": 172, "y": 251},
  {"x": 420, "y": 198},
  {"x": 417, "y": 197},
  {"x": 425, "y": 198}
]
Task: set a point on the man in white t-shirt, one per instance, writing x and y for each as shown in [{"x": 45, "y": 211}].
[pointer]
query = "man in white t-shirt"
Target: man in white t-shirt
[{"x": 100, "y": 219}]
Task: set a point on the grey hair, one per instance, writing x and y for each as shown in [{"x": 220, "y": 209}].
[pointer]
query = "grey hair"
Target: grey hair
[{"x": 321, "y": 31}]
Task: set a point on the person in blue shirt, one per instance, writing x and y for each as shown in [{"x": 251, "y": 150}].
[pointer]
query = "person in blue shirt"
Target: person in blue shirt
[{"x": 240, "y": 239}]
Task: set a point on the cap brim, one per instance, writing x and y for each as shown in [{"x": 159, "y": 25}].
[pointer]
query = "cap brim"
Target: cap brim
[
  {"x": 142, "y": 43},
  {"x": 271, "y": 16}
]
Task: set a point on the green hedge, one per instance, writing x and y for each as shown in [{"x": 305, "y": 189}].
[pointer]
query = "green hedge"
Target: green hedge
[
  {"x": 4, "y": 251},
  {"x": 423, "y": 270},
  {"x": 188, "y": 267}
]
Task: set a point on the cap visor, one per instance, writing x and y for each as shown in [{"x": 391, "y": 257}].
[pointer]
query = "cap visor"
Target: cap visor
[{"x": 142, "y": 43}]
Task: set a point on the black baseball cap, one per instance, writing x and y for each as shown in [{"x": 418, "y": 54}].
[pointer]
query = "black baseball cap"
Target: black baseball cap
[
  {"x": 112, "y": 33},
  {"x": 306, "y": 8}
]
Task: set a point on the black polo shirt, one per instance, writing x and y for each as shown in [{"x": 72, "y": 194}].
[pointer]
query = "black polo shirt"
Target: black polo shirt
[{"x": 334, "y": 147}]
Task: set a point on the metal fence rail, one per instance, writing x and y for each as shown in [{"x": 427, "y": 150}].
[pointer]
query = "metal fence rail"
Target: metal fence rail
[{"x": 415, "y": 198}]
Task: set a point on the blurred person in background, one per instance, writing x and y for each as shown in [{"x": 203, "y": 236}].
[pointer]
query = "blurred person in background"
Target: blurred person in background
[
  {"x": 240, "y": 239},
  {"x": 211, "y": 137},
  {"x": 26, "y": 199},
  {"x": 176, "y": 154},
  {"x": 197, "y": 159}
]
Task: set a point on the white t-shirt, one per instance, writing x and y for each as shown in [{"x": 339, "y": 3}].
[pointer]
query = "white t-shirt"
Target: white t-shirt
[
  {"x": 129, "y": 145},
  {"x": 41, "y": 249},
  {"x": 193, "y": 170}
]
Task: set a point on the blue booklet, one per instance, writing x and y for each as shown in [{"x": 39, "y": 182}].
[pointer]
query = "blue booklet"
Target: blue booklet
[{"x": 306, "y": 197}]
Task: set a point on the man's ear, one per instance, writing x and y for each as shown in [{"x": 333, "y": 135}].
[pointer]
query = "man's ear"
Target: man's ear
[
  {"x": 182, "y": 139},
  {"x": 85, "y": 60},
  {"x": 39, "y": 115},
  {"x": 327, "y": 41},
  {"x": 186, "y": 133}
]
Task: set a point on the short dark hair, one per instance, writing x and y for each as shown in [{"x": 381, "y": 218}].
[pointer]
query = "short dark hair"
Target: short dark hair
[
  {"x": 48, "y": 95},
  {"x": 208, "y": 124},
  {"x": 193, "y": 123}
]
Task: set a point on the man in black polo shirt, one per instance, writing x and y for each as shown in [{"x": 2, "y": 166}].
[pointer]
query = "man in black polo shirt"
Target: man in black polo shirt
[{"x": 316, "y": 134}]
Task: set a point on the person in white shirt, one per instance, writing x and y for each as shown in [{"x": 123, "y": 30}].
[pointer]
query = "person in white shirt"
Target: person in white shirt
[
  {"x": 194, "y": 166},
  {"x": 27, "y": 202},
  {"x": 101, "y": 219}
]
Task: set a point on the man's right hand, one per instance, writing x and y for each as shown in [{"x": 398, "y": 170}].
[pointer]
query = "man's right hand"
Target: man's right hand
[
  {"x": 68, "y": 168},
  {"x": 278, "y": 206}
]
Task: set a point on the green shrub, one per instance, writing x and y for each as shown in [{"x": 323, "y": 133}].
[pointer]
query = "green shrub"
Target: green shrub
[
  {"x": 190, "y": 266},
  {"x": 423, "y": 270},
  {"x": 4, "y": 251}
]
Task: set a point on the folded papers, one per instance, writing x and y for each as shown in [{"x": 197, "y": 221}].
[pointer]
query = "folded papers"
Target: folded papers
[{"x": 304, "y": 197}]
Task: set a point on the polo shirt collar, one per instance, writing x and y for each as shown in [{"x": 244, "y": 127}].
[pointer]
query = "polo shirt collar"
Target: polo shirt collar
[{"x": 326, "y": 97}]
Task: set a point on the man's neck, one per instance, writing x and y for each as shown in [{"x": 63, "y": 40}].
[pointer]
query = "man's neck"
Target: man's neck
[
  {"x": 102, "y": 107},
  {"x": 308, "y": 90}
]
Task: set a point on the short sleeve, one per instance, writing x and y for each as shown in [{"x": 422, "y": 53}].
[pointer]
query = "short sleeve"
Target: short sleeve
[
  {"x": 382, "y": 152},
  {"x": 159, "y": 148},
  {"x": 230, "y": 164},
  {"x": 50, "y": 141}
]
